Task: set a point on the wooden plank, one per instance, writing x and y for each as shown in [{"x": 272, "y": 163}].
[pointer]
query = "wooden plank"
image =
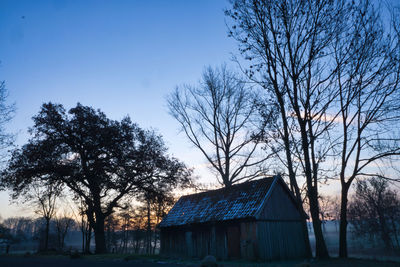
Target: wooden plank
[
  {"x": 189, "y": 243},
  {"x": 233, "y": 240}
]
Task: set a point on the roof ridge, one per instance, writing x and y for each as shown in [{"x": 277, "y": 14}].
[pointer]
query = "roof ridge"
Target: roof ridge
[
  {"x": 236, "y": 202},
  {"x": 229, "y": 188}
]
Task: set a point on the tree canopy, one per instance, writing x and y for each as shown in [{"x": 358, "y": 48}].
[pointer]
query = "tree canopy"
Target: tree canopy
[{"x": 98, "y": 159}]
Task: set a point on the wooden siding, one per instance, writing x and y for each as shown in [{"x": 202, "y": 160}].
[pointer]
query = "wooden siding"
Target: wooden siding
[
  {"x": 280, "y": 240},
  {"x": 280, "y": 206},
  {"x": 233, "y": 240},
  {"x": 248, "y": 241},
  {"x": 173, "y": 242}
]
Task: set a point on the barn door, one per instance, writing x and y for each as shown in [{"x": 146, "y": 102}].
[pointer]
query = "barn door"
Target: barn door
[{"x": 233, "y": 240}]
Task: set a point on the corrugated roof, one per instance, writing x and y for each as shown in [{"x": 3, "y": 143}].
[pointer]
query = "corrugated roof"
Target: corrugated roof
[{"x": 236, "y": 202}]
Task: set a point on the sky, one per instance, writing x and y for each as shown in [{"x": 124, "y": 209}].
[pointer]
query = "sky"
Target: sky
[{"x": 122, "y": 57}]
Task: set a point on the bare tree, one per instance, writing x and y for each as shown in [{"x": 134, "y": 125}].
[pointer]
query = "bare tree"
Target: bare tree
[
  {"x": 6, "y": 114},
  {"x": 329, "y": 209},
  {"x": 44, "y": 197},
  {"x": 84, "y": 225},
  {"x": 286, "y": 44},
  {"x": 367, "y": 59},
  {"x": 375, "y": 210},
  {"x": 217, "y": 117},
  {"x": 63, "y": 224}
]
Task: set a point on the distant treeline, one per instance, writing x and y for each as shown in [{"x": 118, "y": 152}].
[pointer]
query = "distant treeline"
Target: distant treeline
[{"x": 126, "y": 232}]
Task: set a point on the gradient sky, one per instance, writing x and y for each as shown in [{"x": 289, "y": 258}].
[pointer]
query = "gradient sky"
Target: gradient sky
[{"x": 123, "y": 57}]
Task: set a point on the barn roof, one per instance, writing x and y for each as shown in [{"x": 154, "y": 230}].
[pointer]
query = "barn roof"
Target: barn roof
[{"x": 236, "y": 202}]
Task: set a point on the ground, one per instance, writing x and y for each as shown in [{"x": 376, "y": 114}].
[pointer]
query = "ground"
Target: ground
[{"x": 123, "y": 260}]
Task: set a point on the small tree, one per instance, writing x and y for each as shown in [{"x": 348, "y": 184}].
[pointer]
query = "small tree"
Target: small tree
[
  {"x": 375, "y": 210},
  {"x": 43, "y": 197},
  {"x": 63, "y": 225}
]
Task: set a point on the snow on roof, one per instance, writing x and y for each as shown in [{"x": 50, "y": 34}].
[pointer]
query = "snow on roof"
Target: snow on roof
[{"x": 236, "y": 202}]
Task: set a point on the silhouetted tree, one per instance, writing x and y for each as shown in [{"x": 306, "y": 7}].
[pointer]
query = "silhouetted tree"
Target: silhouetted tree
[
  {"x": 63, "y": 225},
  {"x": 332, "y": 70},
  {"x": 84, "y": 225},
  {"x": 98, "y": 159},
  {"x": 375, "y": 210},
  {"x": 366, "y": 55},
  {"x": 217, "y": 118},
  {"x": 285, "y": 43},
  {"x": 6, "y": 114},
  {"x": 42, "y": 197}
]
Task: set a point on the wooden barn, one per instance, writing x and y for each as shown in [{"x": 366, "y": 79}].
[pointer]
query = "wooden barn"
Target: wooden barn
[{"x": 256, "y": 220}]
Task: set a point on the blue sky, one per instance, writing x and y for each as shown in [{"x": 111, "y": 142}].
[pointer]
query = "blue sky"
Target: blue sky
[{"x": 123, "y": 57}]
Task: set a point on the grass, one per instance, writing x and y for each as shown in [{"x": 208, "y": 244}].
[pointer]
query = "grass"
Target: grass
[{"x": 350, "y": 262}]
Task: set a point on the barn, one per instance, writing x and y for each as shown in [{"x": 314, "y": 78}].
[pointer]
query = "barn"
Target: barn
[{"x": 256, "y": 220}]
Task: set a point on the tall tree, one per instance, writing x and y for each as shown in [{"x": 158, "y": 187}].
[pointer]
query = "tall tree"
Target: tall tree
[
  {"x": 367, "y": 58},
  {"x": 286, "y": 43},
  {"x": 98, "y": 159},
  {"x": 217, "y": 117}
]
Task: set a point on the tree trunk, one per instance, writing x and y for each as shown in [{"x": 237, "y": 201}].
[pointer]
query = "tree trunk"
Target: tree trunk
[
  {"x": 343, "y": 222},
  {"x": 148, "y": 245},
  {"x": 46, "y": 237},
  {"x": 321, "y": 250},
  {"x": 99, "y": 235},
  {"x": 384, "y": 231},
  {"x": 292, "y": 175},
  {"x": 83, "y": 240},
  {"x": 395, "y": 232},
  {"x": 88, "y": 239}
]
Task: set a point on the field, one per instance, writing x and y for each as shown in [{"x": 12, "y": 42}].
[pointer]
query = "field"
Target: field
[
  {"x": 363, "y": 252},
  {"x": 122, "y": 261}
]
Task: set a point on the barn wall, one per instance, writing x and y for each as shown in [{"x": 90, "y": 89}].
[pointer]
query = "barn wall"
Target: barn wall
[
  {"x": 173, "y": 242},
  {"x": 233, "y": 240},
  {"x": 279, "y": 240},
  {"x": 280, "y": 206},
  {"x": 257, "y": 240},
  {"x": 248, "y": 241}
]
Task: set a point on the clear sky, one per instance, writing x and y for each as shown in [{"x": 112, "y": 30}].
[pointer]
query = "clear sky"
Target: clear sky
[{"x": 123, "y": 57}]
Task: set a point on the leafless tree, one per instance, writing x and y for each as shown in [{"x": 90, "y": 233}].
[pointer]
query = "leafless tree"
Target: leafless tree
[
  {"x": 217, "y": 117},
  {"x": 44, "y": 198},
  {"x": 286, "y": 44},
  {"x": 367, "y": 59},
  {"x": 329, "y": 209},
  {"x": 7, "y": 112},
  {"x": 84, "y": 225},
  {"x": 63, "y": 224},
  {"x": 375, "y": 210}
]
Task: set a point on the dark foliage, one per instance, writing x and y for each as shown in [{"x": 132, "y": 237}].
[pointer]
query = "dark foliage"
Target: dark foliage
[{"x": 98, "y": 159}]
